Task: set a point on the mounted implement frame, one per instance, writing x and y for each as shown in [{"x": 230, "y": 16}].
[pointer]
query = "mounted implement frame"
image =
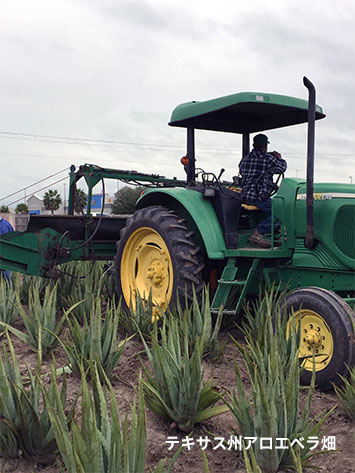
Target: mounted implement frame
[{"x": 52, "y": 240}]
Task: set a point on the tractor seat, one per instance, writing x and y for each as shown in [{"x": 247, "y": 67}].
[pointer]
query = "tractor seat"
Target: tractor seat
[{"x": 251, "y": 208}]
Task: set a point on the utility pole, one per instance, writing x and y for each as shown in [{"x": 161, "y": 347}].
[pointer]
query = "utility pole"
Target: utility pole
[
  {"x": 64, "y": 199},
  {"x": 351, "y": 179}
]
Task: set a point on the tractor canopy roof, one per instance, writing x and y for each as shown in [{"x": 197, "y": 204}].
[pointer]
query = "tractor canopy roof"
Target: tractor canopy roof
[{"x": 245, "y": 112}]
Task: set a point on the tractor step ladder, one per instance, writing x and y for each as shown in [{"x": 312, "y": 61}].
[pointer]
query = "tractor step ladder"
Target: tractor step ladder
[{"x": 228, "y": 281}]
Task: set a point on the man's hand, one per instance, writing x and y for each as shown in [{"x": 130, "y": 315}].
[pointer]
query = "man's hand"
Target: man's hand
[{"x": 276, "y": 154}]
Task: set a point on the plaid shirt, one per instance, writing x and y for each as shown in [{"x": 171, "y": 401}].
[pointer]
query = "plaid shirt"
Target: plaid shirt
[{"x": 251, "y": 167}]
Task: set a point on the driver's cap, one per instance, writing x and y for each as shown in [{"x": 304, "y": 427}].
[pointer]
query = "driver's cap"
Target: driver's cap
[{"x": 260, "y": 141}]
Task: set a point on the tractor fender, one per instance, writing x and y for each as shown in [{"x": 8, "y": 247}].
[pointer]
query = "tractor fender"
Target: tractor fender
[{"x": 197, "y": 211}]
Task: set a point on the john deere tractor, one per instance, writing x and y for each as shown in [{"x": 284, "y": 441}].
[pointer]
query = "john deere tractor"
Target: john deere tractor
[{"x": 185, "y": 234}]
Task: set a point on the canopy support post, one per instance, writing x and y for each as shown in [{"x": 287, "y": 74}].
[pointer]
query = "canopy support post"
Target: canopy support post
[
  {"x": 190, "y": 177},
  {"x": 246, "y": 144}
]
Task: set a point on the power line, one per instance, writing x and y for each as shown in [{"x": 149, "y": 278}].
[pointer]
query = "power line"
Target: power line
[
  {"x": 39, "y": 190},
  {"x": 199, "y": 149},
  {"x": 144, "y": 146},
  {"x": 115, "y": 144},
  {"x": 100, "y": 142},
  {"x": 34, "y": 184},
  {"x": 39, "y": 137},
  {"x": 5, "y": 153}
]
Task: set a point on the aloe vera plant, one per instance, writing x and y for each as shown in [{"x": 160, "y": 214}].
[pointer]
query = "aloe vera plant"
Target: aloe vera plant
[
  {"x": 8, "y": 310},
  {"x": 25, "y": 282},
  {"x": 251, "y": 465},
  {"x": 346, "y": 392},
  {"x": 85, "y": 284},
  {"x": 197, "y": 321},
  {"x": 79, "y": 280},
  {"x": 96, "y": 339},
  {"x": 176, "y": 389},
  {"x": 139, "y": 317},
  {"x": 24, "y": 421},
  {"x": 266, "y": 319},
  {"x": 71, "y": 273},
  {"x": 108, "y": 290},
  {"x": 85, "y": 288},
  {"x": 272, "y": 409},
  {"x": 41, "y": 325},
  {"x": 102, "y": 443}
]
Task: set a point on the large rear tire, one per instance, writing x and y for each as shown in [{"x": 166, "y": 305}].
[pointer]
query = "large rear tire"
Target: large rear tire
[
  {"x": 156, "y": 253},
  {"x": 327, "y": 329}
]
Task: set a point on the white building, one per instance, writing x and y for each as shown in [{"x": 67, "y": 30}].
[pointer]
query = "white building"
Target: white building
[{"x": 35, "y": 204}]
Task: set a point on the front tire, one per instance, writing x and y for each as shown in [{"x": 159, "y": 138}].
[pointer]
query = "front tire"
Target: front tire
[
  {"x": 326, "y": 328},
  {"x": 156, "y": 253}
]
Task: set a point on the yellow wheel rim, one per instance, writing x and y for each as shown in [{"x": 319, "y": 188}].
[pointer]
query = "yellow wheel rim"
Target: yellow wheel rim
[
  {"x": 146, "y": 266},
  {"x": 316, "y": 337}
]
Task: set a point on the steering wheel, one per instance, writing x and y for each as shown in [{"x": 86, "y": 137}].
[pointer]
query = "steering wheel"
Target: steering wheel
[
  {"x": 275, "y": 186},
  {"x": 210, "y": 179}
]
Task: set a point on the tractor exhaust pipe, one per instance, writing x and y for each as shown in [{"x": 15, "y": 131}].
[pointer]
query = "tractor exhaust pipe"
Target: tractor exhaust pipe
[
  {"x": 190, "y": 177},
  {"x": 310, "y": 161}
]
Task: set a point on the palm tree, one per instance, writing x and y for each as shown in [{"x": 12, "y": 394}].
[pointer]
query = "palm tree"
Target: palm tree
[
  {"x": 4, "y": 209},
  {"x": 22, "y": 209},
  {"x": 52, "y": 200},
  {"x": 80, "y": 200}
]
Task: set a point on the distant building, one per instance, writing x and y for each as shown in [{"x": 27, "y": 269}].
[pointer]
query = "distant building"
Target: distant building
[
  {"x": 35, "y": 205},
  {"x": 97, "y": 201}
]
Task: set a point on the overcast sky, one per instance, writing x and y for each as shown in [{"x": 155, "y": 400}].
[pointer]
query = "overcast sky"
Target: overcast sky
[{"x": 113, "y": 70}]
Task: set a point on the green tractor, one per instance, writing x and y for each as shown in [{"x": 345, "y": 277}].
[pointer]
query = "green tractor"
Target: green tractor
[
  {"x": 185, "y": 234},
  {"x": 184, "y": 237}
]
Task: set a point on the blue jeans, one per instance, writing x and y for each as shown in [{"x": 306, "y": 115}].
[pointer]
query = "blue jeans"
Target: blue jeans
[{"x": 265, "y": 225}]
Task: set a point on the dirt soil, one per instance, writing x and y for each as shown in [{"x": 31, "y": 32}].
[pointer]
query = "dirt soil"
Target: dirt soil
[{"x": 220, "y": 461}]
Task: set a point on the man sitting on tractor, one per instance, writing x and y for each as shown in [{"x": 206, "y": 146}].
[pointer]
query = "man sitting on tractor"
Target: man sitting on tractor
[{"x": 257, "y": 169}]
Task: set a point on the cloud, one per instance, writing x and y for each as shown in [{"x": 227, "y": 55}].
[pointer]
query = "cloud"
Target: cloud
[{"x": 115, "y": 69}]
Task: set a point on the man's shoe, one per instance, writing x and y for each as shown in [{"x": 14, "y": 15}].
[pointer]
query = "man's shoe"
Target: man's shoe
[
  {"x": 278, "y": 242},
  {"x": 257, "y": 239},
  {"x": 277, "y": 237},
  {"x": 277, "y": 234}
]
